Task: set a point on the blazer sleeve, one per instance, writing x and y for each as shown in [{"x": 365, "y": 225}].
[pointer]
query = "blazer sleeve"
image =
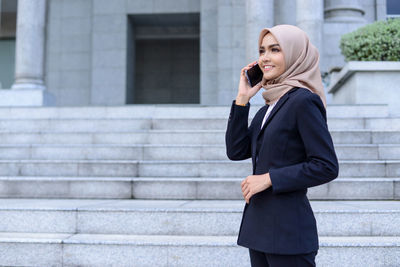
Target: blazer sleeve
[
  {"x": 238, "y": 134},
  {"x": 321, "y": 165}
]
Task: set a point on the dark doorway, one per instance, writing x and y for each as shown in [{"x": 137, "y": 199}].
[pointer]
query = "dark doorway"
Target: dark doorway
[{"x": 163, "y": 59}]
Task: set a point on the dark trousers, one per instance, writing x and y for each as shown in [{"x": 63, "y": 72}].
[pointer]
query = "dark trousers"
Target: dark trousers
[{"x": 262, "y": 259}]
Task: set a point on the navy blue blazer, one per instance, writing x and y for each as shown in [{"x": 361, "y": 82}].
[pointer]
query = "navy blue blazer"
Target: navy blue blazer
[{"x": 296, "y": 149}]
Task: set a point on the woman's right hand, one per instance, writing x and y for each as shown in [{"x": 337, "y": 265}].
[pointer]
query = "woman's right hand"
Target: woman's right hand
[{"x": 245, "y": 91}]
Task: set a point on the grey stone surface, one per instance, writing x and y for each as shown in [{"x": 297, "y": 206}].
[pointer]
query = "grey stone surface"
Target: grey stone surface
[
  {"x": 356, "y": 188},
  {"x": 102, "y": 7},
  {"x": 359, "y": 152},
  {"x": 114, "y": 255},
  {"x": 65, "y": 187},
  {"x": 68, "y": 168},
  {"x": 29, "y": 51},
  {"x": 209, "y": 137},
  {"x": 164, "y": 189},
  {"x": 122, "y": 250},
  {"x": 194, "y": 168},
  {"x": 170, "y": 111},
  {"x": 73, "y": 125},
  {"x": 208, "y": 52},
  {"x": 159, "y": 248},
  {"x": 310, "y": 18},
  {"x": 170, "y": 137},
  {"x": 363, "y": 168},
  {"x": 184, "y": 218},
  {"x": 26, "y": 97},
  {"x": 254, "y": 10},
  {"x": 28, "y": 250},
  {"x": 37, "y": 221},
  {"x": 78, "y": 22},
  {"x": 68, "y": 51},
  {"x": 386, "y": 124},
  {"x": 181, "y": 168},
  {"x": 358, "y": 81},
  {"x": 159, "y": 223},
  {"x": 360, "y": 251},
  {"x": 180, "y": 190}
]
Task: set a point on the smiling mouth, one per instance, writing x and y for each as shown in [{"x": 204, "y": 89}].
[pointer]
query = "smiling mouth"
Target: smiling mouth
[{"x": 267, "y": 68}]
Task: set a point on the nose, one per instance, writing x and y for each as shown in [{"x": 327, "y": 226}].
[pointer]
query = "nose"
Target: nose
[{"x": 265, "y": 57}]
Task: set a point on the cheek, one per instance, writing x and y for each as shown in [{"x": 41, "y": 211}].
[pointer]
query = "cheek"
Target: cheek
[{"x": 281, "y": 61}]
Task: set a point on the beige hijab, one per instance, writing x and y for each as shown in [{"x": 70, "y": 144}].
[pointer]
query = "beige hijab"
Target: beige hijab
[{"x": 302, "y": 64}]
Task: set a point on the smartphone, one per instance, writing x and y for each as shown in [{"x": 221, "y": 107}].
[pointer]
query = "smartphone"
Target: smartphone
[{"x": 254, "y": 75}]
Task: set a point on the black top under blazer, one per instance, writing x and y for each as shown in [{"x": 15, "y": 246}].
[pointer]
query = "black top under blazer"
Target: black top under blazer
[{"x": 296, "y": 149}]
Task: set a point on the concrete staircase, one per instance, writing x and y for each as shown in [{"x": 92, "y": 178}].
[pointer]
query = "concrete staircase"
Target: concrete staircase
[{"x": 151, "y": 186}]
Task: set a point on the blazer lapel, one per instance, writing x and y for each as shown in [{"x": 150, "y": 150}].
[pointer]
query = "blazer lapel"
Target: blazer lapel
[{"x": 278, "y": 105}]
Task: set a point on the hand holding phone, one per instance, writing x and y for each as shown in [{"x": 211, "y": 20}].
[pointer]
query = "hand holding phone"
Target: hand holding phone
[{"x": 249, "y": 82}]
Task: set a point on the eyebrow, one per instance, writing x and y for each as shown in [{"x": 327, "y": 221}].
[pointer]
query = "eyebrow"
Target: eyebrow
[{"x": 262, "y": 47}]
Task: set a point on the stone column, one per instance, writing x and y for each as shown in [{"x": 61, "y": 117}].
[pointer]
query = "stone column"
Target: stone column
[
  {"x": 341, "y": 17},
  {"x": 259, "y": 15},
  {"x": 310, "y": 18},
  {"x": 30, "y": 40},
  {"x": 344, "y": 11}
]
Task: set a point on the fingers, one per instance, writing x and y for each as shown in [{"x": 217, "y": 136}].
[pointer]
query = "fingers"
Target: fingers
[
  {"x": 243, "y": 182},
  {"x": 246, "y": 190},
  {"x": 248, "y": 196},
  {"x": 249, "y": 66},
  {"x": 252, "y": 64}
]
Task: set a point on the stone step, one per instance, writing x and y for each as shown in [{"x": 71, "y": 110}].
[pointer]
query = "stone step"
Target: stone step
[
  {"x": 168, "y": 111},
  {"x": 182, "y": 188},
  {"x": 184, "y": 217},
  {"x": 118, "y": 125},
  {"x": 170, "y": 152},
  {"x": 342, "y": 136},
  {"x": 333, "y": 123},
  {"x": 182, "y": 168},
  {"x": 42, "y": 249}
]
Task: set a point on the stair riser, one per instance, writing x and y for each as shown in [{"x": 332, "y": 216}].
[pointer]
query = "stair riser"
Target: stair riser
[
  {"x": 69, "y": 169},
  {"x": 192, "y": 138},
  {"x": 143, "y": 111},
  {"x": 168, "y": 169},
  {"x": 77, "y": 125},
  {"x": 170, "y": 153},
  {"x": 337, "y": 189},
  {"x": 117, "y": 125},
  {"x": 243, "y": 169},
  {"x": 201, "y": 223},
  {"x": 57, "y": 254}
]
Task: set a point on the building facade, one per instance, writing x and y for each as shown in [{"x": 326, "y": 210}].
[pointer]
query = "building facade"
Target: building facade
[{"x": 100, "y": 52}]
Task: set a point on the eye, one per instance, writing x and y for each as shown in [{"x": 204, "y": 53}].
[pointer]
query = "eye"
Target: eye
[
  {"x": 275, "y": 50},
  {"x": 261, "y": 51}
]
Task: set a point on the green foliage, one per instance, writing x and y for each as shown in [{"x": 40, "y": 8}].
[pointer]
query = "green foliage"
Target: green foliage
[{"x": 379, "y": 41}]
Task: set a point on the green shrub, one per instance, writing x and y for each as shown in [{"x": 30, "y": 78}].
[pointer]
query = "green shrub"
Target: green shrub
[{"x": 379, "y": 41}]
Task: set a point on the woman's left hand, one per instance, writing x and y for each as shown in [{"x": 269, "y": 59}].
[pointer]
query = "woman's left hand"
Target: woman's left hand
[{"x": 254, "y": 184}]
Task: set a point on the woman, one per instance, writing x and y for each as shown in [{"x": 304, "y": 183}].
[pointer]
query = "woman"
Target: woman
[{"x": 290, "y": 146}]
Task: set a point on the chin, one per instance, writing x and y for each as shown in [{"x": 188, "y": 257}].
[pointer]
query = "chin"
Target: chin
[{"x": 269, "y": 77}]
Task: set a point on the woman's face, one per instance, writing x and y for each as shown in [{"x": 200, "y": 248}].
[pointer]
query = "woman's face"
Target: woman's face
[{"x": 271, "y": 59}]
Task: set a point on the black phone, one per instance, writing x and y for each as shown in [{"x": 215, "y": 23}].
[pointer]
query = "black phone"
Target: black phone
[{"x": 254, "y": 75}]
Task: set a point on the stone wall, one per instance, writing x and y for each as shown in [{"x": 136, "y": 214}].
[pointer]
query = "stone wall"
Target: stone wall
[{"x": 87, "y": 42}]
